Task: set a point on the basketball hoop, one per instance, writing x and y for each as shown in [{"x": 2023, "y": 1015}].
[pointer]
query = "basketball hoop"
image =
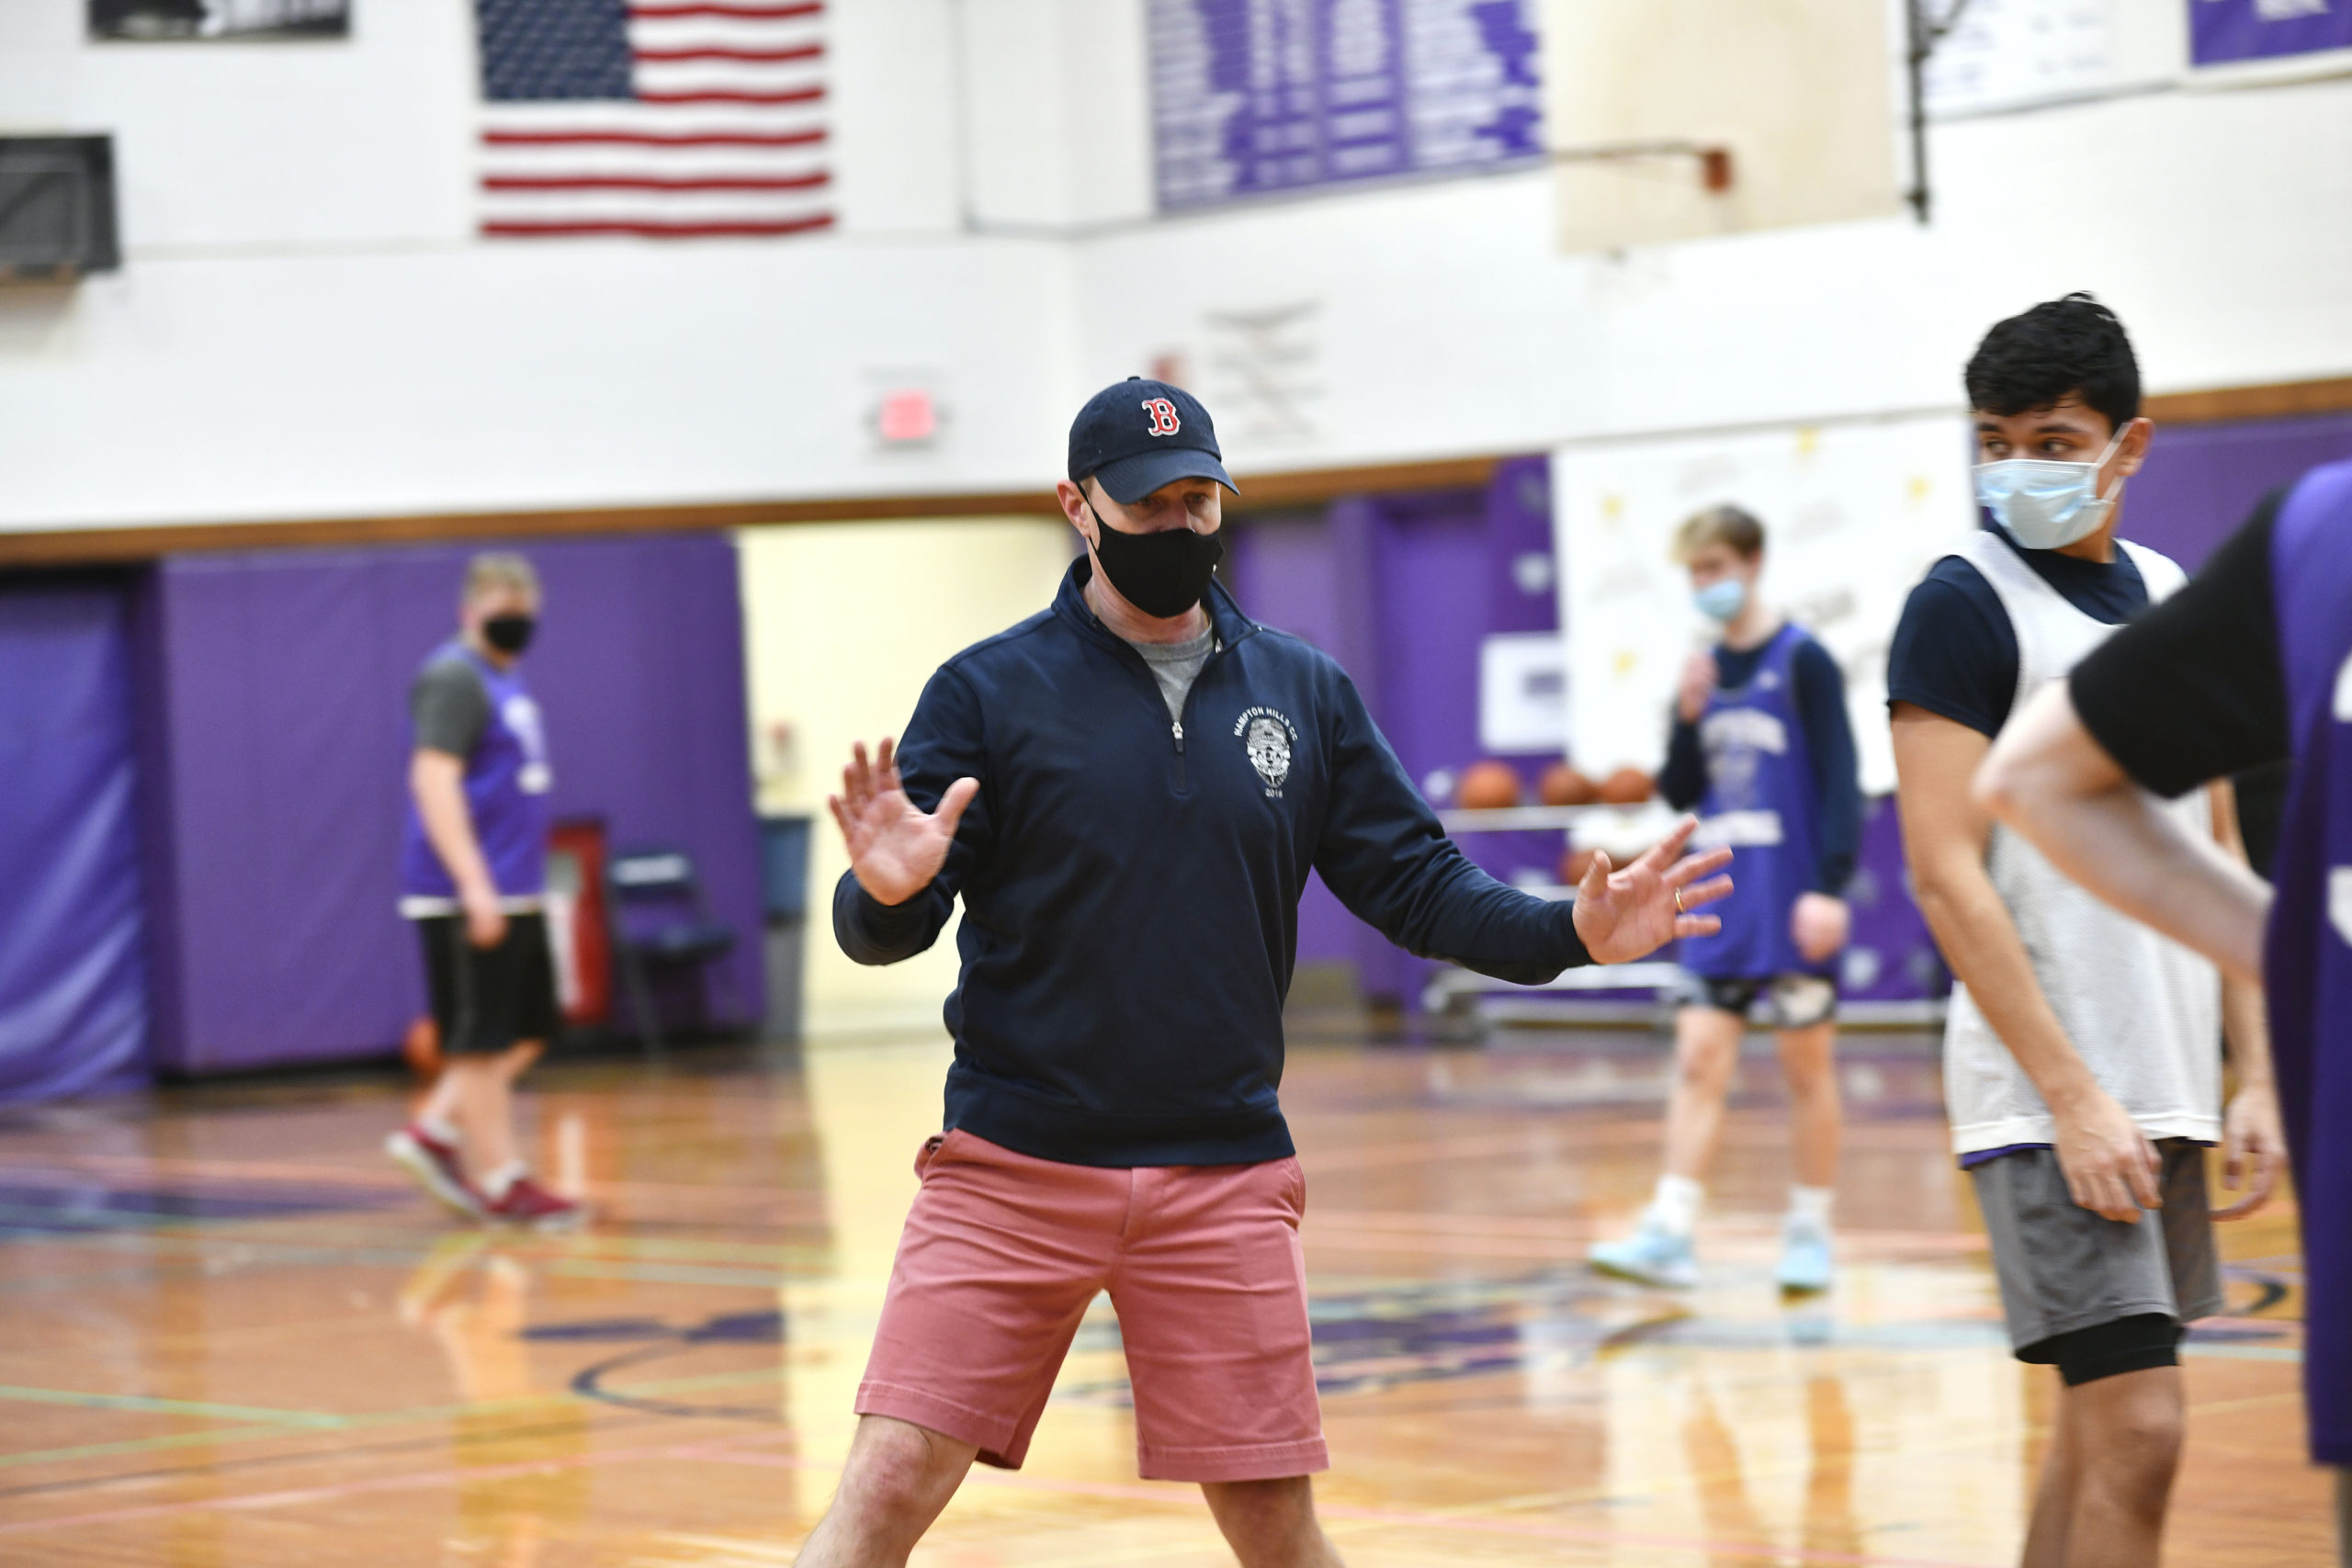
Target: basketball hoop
[{"x": 1714, "y": 160}]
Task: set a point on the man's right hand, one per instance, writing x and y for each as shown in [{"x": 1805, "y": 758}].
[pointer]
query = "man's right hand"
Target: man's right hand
[
  {"x": 485, "y": 921},
  {"x": 894, "y": 849},
  {"x": 1698, "y": 685},
  {"x": 2111, "y": 1169}
]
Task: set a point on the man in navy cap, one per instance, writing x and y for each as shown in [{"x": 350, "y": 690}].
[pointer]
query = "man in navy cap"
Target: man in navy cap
[{"x": 1127, "y": 790}]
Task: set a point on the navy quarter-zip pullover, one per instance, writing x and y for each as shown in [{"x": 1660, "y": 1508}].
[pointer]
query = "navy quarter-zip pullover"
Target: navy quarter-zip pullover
[{"x": 1131, "y": 885}]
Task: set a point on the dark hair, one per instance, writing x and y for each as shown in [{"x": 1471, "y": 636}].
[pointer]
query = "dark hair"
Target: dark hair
[{"x": 2061, "y": 346}]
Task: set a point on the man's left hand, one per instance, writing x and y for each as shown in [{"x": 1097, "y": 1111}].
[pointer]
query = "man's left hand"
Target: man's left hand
[
  {"x": 1629, "y": 914},
  {"x": 2253, "y": 1150}
]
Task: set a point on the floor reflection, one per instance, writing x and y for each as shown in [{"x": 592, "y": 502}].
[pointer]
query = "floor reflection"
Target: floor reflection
[{"x": 236, "y": 1338}]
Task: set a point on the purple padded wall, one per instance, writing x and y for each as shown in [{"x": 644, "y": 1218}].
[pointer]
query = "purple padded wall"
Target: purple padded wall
[
  {"x": 1402, "y": 589},
  {"x": 1283, "y": 574},
  {"x": 280, "y": 723},
  {"x": 72, "y": 931},
  {"x": 2201, "y": 481}
]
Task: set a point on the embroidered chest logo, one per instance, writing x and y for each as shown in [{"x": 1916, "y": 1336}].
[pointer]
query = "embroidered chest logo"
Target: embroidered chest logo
[
  {"x": 1268, "y": 737},
  {"x": 1164, "y": 417}
]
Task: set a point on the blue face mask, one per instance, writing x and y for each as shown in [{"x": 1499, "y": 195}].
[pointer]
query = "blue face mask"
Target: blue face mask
[
  {"x": 1722, "y": 599},
  {"x": 2045, "y": 504}
]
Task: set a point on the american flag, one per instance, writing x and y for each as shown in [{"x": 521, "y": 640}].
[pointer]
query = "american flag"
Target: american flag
[{"x": 658, "y": 118}]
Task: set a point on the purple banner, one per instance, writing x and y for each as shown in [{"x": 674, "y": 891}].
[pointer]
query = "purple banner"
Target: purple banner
[
  {"x": 2224, "y": 32},
  {"x": 1250, "y": 96}
]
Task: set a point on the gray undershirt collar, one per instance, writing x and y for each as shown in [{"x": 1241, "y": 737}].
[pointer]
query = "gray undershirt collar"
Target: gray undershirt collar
[{"x": 1176, "y": 665}]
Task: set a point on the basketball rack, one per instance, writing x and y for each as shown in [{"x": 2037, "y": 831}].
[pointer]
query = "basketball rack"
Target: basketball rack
[
  {"x": 1598, "y": 994},
  {"x": 1595, "y": 995}
]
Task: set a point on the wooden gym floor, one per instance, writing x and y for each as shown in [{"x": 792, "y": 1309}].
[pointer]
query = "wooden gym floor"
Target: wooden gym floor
[{"x": 234, "y": 1338}]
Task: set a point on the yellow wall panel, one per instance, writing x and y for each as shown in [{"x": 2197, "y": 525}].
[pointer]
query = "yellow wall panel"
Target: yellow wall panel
[{"x": 844, "y": 625}]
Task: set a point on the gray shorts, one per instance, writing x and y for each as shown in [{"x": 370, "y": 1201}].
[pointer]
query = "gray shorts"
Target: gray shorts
[{"x": 2062, "y": 1268}]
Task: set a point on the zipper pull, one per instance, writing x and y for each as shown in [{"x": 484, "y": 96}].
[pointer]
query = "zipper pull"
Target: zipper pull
[{"x": 1178, "y": 726}]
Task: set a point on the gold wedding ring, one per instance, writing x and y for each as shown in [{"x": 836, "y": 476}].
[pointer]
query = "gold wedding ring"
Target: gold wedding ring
[{"x": 1678, "y": 902}]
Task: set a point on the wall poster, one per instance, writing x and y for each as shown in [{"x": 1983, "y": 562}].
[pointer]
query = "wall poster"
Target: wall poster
[
  {"x": 2234, "y": 32},
  {"x": 1854, "y": 513},
  {"x": 176, "y": 21}
]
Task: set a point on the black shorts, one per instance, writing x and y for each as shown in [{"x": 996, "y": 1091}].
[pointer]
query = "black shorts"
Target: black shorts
[
  {"x": 487, "y": 998},
  {"x": 1777, "y": 1001}
]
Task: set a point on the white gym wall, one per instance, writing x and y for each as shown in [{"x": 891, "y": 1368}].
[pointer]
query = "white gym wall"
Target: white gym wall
[{"x": 304, "y": 326}]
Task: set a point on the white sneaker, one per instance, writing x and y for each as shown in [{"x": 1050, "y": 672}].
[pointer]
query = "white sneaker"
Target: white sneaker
[
  {"x": 1805, "y": 1264},
  {"x": 1651, "y": 1256}
]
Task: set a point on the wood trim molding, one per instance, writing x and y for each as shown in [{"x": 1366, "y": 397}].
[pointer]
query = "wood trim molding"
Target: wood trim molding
[
  {"x": 96, "y": 547},
  {"x": 1307, "y": 487},
  {"x": 2280, "y": 399},
  {"x": 82, "y": 546},
  {"x": 1296, "y": 487}
]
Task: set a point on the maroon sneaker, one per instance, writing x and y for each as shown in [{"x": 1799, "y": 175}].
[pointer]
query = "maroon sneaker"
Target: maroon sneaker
[
  {"x": 533, "y": 1207},
  {"x": 438, "y": 1169}
]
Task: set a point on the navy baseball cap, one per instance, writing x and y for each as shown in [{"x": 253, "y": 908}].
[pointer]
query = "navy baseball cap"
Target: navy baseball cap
[{"x": 1136, "y": 436}]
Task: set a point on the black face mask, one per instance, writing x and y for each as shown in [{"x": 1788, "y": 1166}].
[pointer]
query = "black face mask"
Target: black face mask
[
  {"x": 509, "y": 634},
  {"x": 1162, "y": 574}
]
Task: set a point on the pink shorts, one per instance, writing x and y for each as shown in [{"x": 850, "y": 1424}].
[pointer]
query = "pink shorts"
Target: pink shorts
[{"x": 1000, "y": 1255}]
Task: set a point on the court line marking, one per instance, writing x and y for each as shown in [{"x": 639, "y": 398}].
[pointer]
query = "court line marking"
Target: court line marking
[
  {"x": 723, "y": 1450},
  {"x": 295, "y": 1496},
  {"x": 369, "y": 1176},
  {"x": 1180, "y": 1495},
  {"x": 316, "y": 1419},
  {"x": 140, "y": 1445},
  {"x": 366, "y": 1421},
  {"x": 282, "y": 1252}
]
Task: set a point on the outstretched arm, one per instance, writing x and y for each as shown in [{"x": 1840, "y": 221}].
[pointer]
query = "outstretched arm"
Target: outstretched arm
[
  {"x": 907, "y": 863},
  {"x": 895, "y": 848},
  {"x": 1384, "y": 852},
  {"x": 2049, "y": 779},
  {"x": 1629, "y": 914}
]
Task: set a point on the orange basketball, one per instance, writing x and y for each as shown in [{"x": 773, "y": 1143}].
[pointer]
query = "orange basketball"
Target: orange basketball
[
  {"x": 1562, "y": 786},
  {"x": 1487, "y": 787},
  {"x": 1626, "y": 787}
]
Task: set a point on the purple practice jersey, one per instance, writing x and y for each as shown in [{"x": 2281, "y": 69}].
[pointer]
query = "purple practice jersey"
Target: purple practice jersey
[
  {"x": 506, "y": 783},
  {"x": 2308, "y": 957},
  {"x": 1761, "y": 799}
]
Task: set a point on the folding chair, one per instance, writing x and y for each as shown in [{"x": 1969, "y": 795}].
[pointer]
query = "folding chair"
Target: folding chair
[{"x": 660, "y": 921}]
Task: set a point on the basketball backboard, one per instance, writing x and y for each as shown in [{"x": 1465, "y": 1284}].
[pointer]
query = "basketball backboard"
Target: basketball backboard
[{"x": 1645, "y": 98}]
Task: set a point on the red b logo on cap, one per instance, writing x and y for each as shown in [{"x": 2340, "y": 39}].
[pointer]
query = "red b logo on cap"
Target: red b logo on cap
[{"x": 1164, "y": 417}]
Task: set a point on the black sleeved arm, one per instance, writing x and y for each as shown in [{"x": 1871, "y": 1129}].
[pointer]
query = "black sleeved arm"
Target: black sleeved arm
[
  {"x": 2193, "y": 691},
  {"x": 944, "y": 741},
  {"x": 1837, "y": 771},
  {"x": 1953, "y": 652},
  {"x": 1384, "y": 852},
  {"x": 1683, "y": 781},
  {"x": 448, "y": 707}
]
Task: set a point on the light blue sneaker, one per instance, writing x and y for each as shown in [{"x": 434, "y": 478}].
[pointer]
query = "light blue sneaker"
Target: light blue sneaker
[
  {"x": 1804, "y": 1257},
  {"x": 1651, "y": 1256}
]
